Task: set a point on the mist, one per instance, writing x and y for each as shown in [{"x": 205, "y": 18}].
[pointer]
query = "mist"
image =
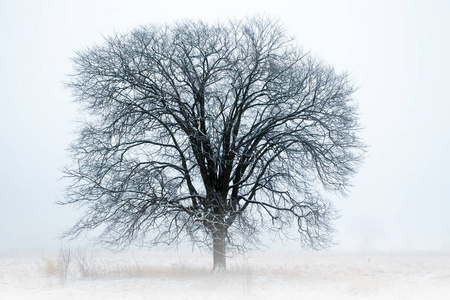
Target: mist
[
  {"x": 393, "y": 235},
  {"x": 396, "y": 52}
]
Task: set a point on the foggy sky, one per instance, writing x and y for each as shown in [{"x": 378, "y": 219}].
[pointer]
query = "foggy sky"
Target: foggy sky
[{"x": 397, "y": 52}]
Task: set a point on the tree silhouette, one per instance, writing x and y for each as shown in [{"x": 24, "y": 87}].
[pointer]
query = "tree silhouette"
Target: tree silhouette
[{"x": 212, "y": 133}]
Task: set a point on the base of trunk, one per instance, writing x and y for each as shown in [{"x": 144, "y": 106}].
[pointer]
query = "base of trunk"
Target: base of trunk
[
  {"x": 219, "y": 269},
  {"x": 219, "y": 256}
]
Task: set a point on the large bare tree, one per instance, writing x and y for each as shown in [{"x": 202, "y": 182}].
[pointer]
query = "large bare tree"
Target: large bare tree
[{"x": 209, "y": 132}]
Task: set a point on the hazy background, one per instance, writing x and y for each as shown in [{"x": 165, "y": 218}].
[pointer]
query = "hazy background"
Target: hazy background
[{"x": 397, "y": 52}]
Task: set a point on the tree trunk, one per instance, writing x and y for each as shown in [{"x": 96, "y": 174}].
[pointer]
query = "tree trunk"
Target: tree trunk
[{"x": 219, "y": 255}]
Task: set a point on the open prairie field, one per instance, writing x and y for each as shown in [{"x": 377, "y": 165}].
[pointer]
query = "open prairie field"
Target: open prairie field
[{"x": 87, "y": 274}]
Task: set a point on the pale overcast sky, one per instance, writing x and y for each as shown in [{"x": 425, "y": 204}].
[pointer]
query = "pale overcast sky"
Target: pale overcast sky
[{"x": 397, "y": 52}]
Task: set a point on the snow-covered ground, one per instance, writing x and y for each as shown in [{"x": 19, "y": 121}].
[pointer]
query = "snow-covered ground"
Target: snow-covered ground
[{"x": 169, "y": 275}]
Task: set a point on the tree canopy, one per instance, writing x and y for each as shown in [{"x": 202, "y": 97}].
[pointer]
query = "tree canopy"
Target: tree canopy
[{"x": 210, "y": 132}]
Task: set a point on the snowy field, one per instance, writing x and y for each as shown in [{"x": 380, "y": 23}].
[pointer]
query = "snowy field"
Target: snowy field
[{"x": 88, "y": 274}]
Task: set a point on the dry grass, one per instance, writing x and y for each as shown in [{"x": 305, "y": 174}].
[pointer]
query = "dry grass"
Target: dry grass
[{"x": 87, "y": 273}]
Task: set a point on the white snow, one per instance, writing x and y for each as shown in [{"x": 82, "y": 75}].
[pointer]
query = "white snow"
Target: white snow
[{"x": 170, "y": 275}]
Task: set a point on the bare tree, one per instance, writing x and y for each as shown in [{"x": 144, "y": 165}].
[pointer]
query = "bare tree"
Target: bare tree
[{"x": 209, "y": 132}]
